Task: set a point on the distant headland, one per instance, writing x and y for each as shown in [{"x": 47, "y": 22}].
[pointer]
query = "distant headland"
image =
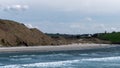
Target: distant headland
[{"x": 17, "y": 34}]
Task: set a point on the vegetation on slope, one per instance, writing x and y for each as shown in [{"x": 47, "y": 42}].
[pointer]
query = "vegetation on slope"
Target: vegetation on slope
[{"x": 114, "y": 37}]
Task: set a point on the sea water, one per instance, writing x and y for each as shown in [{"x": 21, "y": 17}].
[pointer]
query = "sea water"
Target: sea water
[{"x": 94, "y": 58}]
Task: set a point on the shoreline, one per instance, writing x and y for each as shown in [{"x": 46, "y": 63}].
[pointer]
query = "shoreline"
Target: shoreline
[{"x": 54, "y": 48}]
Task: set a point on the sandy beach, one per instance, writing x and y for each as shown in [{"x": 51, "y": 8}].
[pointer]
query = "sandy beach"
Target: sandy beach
[{"x": 54, "y": 48}]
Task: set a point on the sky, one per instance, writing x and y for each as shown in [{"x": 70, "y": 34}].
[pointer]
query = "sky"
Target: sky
[{"x": 64, "y": 16}]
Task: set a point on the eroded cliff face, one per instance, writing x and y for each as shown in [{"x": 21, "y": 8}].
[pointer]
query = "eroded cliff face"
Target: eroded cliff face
[{"x": 15, "y": 34}]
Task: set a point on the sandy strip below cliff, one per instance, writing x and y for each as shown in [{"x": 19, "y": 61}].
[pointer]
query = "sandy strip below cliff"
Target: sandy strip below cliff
[{"x": 55, "y": 48}]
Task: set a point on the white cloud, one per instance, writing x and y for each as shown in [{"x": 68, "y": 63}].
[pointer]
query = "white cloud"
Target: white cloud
[
  {"x": 84, "y": 6},
  {"x": 113, "y": 29},
  {"x": 82, "y": 24},
  {"x": 75, "y": 26},
  {"x": 15, "y": 7},
  {"x": 81, "y": 6},
  {"x": 106, "y": 27},
  {"x": 31, "y": 26},
  {"x": 89, "y": 19},
  {"x": 102, "y": 26}
]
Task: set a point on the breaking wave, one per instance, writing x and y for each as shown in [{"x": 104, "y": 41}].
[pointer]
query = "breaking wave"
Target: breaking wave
[
  {"x": 20, "y": 59},
  {"x": 42, "y": 64},
  {"x": 117, "y": 58},
  {"x": 60, "y": 63}
]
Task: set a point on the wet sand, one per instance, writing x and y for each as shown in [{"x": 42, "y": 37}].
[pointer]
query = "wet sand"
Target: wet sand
[{"x": 54, "y": 48}]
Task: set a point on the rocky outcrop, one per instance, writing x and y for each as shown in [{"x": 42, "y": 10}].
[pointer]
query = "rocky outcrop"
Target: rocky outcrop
[{"x": 13, "y": 34}]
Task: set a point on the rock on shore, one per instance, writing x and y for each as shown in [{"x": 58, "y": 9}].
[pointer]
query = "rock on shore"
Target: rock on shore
[{"x": 13, "y": 34}]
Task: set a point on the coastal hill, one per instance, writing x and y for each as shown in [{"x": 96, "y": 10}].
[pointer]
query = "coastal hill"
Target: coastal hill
[
  {"x": 13, "y": 34},
  {"x": 17, "y": 34}
]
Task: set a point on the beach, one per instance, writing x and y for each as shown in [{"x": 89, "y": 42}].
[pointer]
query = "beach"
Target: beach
[{"x": 55, "y": 48}]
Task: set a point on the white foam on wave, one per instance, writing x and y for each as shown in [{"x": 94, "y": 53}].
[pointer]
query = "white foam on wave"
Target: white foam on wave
[
  {"x": 89, "y": 54},
  {"x": 48, "y": 55},
  {"x": 103, "y": 59},
  {"x": 17, "y": 56},
  {"x": 94, "y": 54},
  {"x": 43, "y": 64},
  {"x": 60, "y": 63},
  {"x": 52, "y": 64},
  {"x": 1, "y": 64},
  {"x": 20, "y": 59},
  {"x": 11, "y": 66},
  {"x": 83, "y": 54},
  {"x": 60, "y": 54}
]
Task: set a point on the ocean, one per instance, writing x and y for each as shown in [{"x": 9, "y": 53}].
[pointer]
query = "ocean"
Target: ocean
[{"x": 93, "y": 58}]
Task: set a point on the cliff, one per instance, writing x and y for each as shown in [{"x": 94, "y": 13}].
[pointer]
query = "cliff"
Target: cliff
[{"x": 15, "y": 34}]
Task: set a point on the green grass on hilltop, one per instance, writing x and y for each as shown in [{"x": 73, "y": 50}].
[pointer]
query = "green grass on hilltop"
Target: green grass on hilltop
[{"x": 113, "y": 37}]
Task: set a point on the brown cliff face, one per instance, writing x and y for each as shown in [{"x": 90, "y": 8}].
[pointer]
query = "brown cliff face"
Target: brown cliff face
[{"x": 14, "y": 34}]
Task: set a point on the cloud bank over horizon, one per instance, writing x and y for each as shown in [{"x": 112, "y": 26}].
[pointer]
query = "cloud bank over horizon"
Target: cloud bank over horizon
[
  {"x": 64, "y": 16},
  {"x": 17, "y": 7}
]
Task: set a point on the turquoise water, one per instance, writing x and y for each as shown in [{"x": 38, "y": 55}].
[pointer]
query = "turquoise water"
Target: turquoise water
[{"x": 95, "y": 58}]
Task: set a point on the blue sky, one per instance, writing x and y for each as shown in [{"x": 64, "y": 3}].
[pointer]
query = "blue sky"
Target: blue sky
[{"x": 64, "y": 16}]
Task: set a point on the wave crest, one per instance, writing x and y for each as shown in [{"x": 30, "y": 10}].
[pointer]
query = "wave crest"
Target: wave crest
[
  {"x": 103, "y": 59},
  {"x": 42, "y": 64}
]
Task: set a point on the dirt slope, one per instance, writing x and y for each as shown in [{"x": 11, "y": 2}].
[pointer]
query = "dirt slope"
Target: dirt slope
[{"x": 15, "y": 34}]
